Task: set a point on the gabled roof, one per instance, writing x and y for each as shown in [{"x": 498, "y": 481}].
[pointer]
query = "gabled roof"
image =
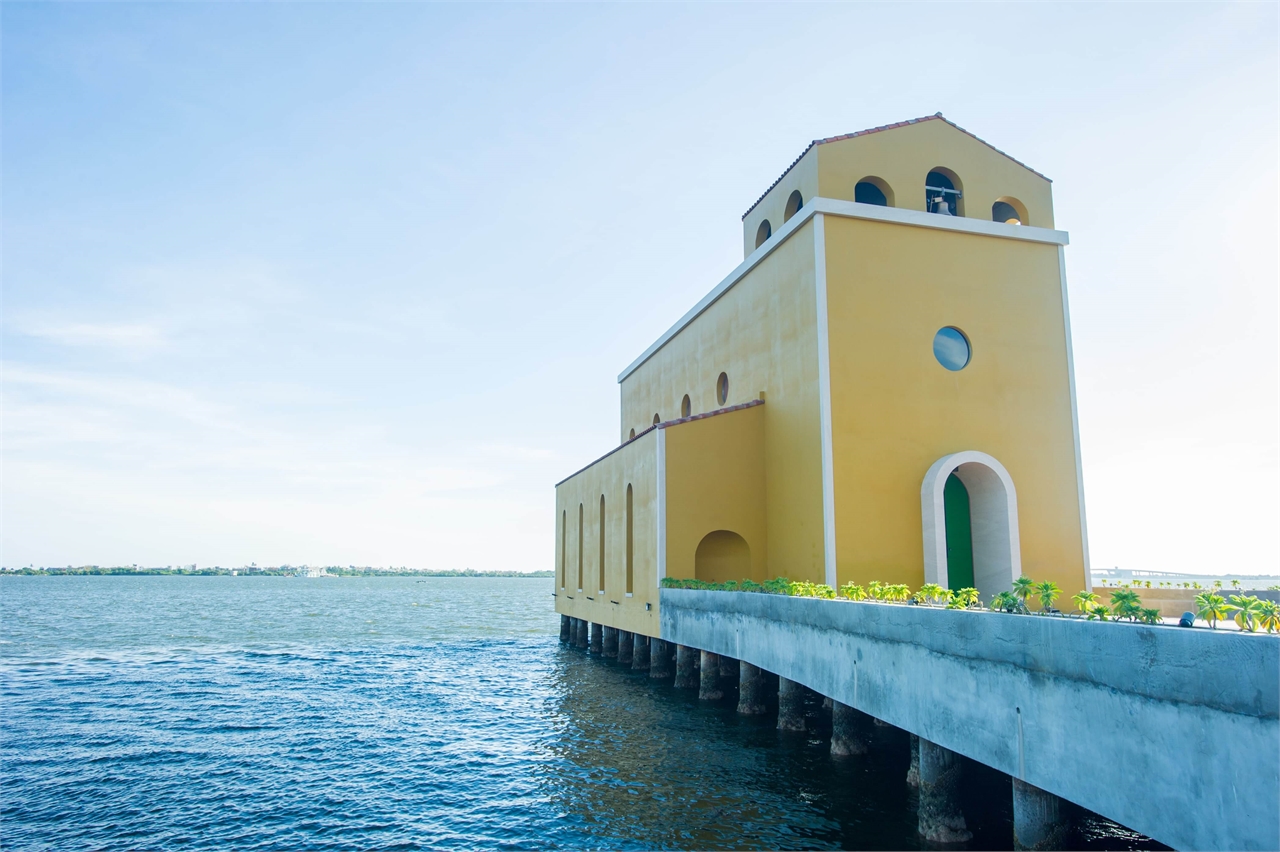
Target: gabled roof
[{"x": 935, "y": 117}]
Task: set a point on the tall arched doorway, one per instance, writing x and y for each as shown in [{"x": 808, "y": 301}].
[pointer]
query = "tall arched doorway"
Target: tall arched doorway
[
  {"x": 722, "y": 556},
  {"x": 995, "y": 554}
]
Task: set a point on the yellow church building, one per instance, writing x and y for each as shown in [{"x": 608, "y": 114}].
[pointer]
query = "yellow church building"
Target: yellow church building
[{"x": 881, "y": 390}]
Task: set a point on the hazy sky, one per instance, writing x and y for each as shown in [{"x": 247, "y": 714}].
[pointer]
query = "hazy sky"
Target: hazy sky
[{"x": 340, "y": 284}]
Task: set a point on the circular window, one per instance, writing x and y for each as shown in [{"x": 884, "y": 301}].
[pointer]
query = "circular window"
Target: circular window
[
  {"x": 951, "y": 348},
  {"x": 722, "y": 388}
]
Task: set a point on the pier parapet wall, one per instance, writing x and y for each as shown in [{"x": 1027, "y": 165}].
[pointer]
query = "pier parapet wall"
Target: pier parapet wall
[{"x": 1172, "y": 732}]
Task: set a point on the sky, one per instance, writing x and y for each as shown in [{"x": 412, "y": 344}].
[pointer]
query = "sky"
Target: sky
[{"x": 338, "y": 284}]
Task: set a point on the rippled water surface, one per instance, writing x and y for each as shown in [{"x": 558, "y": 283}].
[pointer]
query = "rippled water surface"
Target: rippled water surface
[{"x": 399, "y": 713}]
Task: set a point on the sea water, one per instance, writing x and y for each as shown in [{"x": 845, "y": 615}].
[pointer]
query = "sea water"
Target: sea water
[{"x": 402, "y": 713}]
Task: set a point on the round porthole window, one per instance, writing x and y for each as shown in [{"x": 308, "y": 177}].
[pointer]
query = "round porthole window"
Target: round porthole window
[{"x": 951, "y": 348}]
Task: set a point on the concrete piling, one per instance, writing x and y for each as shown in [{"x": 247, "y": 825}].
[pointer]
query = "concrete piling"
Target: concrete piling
[
  {"x": 753, "y": 683},
  {"x": 913, "y": 774},
  {"x": 566, "y": 628},
  {"x": 709, "y": 678},
  {"x": 790, "y": 705},
  {"x": 848, "y": 730},
  {"x": 580, "y": 633},
  {"x": 1038, "y": 818},
  {"x": 626, "y": 646},
  {"x": 597, "y": 639},
  {"x": 659, "y": 659},
  {"x": 610, "y": 642},
  {"x": 939, "y": 817},
  {"x": 686, "y": 667},
  {"x": 640, "y": 653}
]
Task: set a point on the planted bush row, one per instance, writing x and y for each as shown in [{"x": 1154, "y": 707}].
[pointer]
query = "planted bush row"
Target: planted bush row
[{"x": 1250, "y": 613}]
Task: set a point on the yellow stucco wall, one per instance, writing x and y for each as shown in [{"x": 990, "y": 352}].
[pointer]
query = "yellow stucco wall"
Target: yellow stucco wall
[
  {"x": 902, "y": 157},
  {"x": 896, "y": 410},
  {"x": 763, "y": 334},
  {"x": 716, "y": 481},
  {"x": 637, "y": 464}
]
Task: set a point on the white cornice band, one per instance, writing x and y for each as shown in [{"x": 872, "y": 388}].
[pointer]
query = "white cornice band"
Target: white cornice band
[{"x": 851, "y": 210}]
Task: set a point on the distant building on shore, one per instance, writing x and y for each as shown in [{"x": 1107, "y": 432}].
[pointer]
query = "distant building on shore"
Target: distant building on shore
[{"x": 882, "y": 390}]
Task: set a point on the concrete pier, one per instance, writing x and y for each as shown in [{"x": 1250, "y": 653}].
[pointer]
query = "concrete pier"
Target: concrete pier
[
  {"x": 625, "y": 646},
  {"x": 753, "y": 690},
  {"x": 566, "y": 629},
  {"x": 709, "y": 678},
  {"x": 610, "y": 642},
  {"x": 790, "y": 705},
  {"x": 1038, "y": 818},
  {"x": 913, "y": 773},
  {"x": 939, "y": 816},
  {"x": 597, "y": 639},
  {"x": 849, "y": 735},
  {"x": 640, "y": 653},
  {"x": 580, "y": 633},
  {"x": 659, "y": 659},
  {"x": 686, "y": 667}
]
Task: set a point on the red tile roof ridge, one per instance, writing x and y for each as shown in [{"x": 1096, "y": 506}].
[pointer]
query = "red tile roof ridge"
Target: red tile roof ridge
[
  {"x": 665, "y": 424},
  {"x": 936, "y": 116}
]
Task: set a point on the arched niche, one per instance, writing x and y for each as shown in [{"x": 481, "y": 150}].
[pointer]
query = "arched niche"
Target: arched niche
[
  {"x": 943, "y": 186},
  {"x": 722, "y": 555},
  {"x": 1009, "y": 210},
  {"x": 993, "y": 507},
  {"x": 763, "y": 233},
  {"x": 794, "y": 202},
  {"x": 873, "y": 190}
]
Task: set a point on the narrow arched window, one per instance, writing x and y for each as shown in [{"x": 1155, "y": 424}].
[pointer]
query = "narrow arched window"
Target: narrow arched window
[
  {"x": 633, "y": 435},
  {"x": 602, "y": 544},
  {"x": 763, "y": 233},
  {"x": 942, "y": 193},
  {"x": 686, "y": 407},
  {"x": 564, "y": 532},
  {"x": 794, "y": 203},
  {"x": 873, "y": 190},
  {"x": 656, "y": 419},
  {"x": 579, "y": 547},
  {"x": 631, "y": 571},
  {"x": 722, "y": 388}
]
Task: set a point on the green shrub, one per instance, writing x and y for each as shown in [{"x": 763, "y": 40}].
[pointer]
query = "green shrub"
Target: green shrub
[
  {"x": 966, "y": 598},
  {"x": 853, "y": 592}
]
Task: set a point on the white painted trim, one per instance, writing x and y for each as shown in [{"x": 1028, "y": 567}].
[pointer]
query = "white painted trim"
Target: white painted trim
[
  {"x": 1075, "y": 418},
  {"x": 993, "y": 506},
  {"x": 850, "y": 210},
  {"x": 662, "y": 505},
  {"x": 824, "y": 400}
]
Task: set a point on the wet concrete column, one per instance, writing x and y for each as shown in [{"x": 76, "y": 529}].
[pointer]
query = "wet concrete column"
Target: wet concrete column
[
  {"x": 1038, "y": 818},
  {"x": 566, "y": 628},
  {"x": 790, "y": 705},
  {"x": 597, "y": 638},
  {"x": 686, "y": 667},
  {"x": 939, "y": 817},
  {"x": 659, "y": 659},
  {"x": 753, "y": 690},
  {"x": 580, "y": 633},
  {"x": 913, "y": 774},
  {"x": 625, "y": 646},
  {"x": 849, "y": 730},
  {"x": 709, "y": 678},
  {"x": 640, "y": 653},
  {"x": 610, "y": 644}
]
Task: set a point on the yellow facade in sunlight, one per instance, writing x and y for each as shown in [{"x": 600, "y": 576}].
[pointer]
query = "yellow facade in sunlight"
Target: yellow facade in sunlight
[{"x": 809, "y": 417}]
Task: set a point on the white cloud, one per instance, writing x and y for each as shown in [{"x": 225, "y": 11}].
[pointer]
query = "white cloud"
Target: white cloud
[{"x": 131, "y": 338}]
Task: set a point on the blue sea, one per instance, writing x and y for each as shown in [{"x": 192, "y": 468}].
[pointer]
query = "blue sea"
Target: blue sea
[{"x": 402, "y": 713}]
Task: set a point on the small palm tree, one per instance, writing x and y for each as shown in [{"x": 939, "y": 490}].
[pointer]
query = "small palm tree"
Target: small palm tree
[
  {"x": 1247, "y": 609},
  {"x": 1048, "y": 592},
  {"x": 1023, "y": 588},
  {"x": 929, "y": 594},
  {"x": 1125, "y": 603},
  {"x": 1097, "y": 611},
  {"x": 1235, "y": 584},
  {"x": 1083, "y": 600},
  {"x": 1150, "y": 616},
  {"x": 963, "y": 599},
  {"x": 1007, "y": 602},
  {"x": 1210, "y": 607},
  {"x": 1269, "y": 616}
]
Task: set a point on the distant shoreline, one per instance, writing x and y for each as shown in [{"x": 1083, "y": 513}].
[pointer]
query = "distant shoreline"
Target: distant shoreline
[{"x": 282, "y": 571}]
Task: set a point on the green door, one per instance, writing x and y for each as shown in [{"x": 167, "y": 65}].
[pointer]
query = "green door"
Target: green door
[{"x": 955, "y": 503}]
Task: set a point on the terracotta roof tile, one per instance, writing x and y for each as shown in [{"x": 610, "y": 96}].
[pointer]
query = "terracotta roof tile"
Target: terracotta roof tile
[{"x": 934, "y": 117}]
